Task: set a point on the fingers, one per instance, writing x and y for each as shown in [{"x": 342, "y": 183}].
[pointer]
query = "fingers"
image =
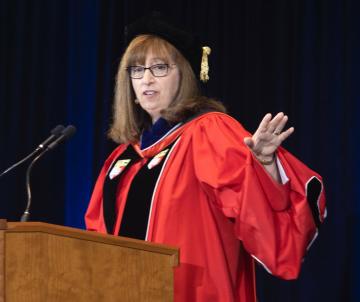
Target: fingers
[
  {"x": 269, "y": 134},
  {"x": 276, "y": 122},
  {"x": 280, "y": 126},
  {"x": 284, "y": 135},
  {"x": 264, "y": 124}
]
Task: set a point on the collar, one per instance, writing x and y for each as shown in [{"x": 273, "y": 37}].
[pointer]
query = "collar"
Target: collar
[{"x": 151, "y": 135}]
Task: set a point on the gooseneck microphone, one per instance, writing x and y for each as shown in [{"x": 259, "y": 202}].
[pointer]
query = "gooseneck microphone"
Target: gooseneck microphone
[
  {"x": 55, "y": 133},
  {"x": 65, "y": 134},
  {"x": 68, "y": 132}
]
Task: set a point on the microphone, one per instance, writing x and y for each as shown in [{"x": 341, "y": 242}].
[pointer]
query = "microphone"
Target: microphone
[
  {"x": 68, "y": 132},
  {"x": 55, "y": 133},
  {"x": 65, "y": 134}
]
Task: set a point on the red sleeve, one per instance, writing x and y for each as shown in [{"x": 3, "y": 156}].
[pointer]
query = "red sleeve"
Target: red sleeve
[
  {"x": 275, "y": 222},
  {"x": 94, "y": 219}
]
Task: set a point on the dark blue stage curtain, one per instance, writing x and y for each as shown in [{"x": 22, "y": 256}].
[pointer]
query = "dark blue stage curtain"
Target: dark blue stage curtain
[{"x": 58, "y": 61}]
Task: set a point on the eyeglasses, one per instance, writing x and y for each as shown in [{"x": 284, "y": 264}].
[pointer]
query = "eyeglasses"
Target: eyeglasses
[{"x": 157, "y": 70}]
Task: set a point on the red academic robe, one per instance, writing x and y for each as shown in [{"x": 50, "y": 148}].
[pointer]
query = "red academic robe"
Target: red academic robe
[{"x": 219, "y": 205}]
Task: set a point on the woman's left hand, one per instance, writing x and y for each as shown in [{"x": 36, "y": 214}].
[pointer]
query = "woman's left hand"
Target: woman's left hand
[{"x": 269, "y": 136}]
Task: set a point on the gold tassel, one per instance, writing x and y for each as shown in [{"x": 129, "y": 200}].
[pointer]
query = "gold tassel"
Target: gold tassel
[{"x": 204, "y": 71}]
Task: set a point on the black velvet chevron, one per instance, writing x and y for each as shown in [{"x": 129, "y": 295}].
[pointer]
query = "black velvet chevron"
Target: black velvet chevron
[
  {"x": 110, "y": 187},
  {"x": 136, "y": 213},
  {"x": 313, "y": 193}
]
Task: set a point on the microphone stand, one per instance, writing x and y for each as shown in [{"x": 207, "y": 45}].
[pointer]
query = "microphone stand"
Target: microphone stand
[
  {"x": 26, "y": 215},
  {"x": 65, "y": 134}
]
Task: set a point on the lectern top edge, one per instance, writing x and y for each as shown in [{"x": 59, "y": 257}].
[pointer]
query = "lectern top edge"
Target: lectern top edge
[{"x": 14, "y": 227}]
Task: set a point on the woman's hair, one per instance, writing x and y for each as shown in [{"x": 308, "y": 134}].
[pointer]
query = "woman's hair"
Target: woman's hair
[{"x": 129, "y": 118}]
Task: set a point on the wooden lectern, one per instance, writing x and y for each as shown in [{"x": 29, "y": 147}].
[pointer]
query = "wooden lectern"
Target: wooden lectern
[{"x": 41, "y": 262}]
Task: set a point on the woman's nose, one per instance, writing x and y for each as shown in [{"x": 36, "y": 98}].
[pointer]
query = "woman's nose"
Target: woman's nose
[{"x": 148, "y": 76}]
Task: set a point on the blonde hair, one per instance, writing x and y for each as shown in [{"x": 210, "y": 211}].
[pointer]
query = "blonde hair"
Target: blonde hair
[{"x": 129, "y": 119}]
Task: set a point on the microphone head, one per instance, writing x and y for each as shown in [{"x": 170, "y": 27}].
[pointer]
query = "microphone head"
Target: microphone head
[
  {"x": 69, "y": 131},
  {"x": 57, "y": 130}
]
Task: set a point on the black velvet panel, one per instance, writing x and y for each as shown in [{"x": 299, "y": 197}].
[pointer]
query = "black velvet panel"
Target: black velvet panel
[
  {"x": 313, "y": 193},
  {"x": 110, "y": 187},
  {"x": 136, "y": 213}
]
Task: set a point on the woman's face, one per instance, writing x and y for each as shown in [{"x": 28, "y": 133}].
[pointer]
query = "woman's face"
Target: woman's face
[{"x": 156, "y": 93}]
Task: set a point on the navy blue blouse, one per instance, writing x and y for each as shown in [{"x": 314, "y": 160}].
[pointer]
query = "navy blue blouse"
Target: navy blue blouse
[{"x": 157, "y": 131}]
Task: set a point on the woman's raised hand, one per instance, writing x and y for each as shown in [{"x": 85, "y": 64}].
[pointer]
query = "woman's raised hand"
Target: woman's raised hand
[{"x": 268, "y": 137}]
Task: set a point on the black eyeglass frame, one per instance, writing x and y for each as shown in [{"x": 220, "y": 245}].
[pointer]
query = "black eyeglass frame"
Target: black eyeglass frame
[{"x": 168, "y": 66}]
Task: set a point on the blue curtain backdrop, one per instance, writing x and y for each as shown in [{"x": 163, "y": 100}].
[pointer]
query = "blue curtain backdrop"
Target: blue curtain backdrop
[{"x": 58, "y": 61}]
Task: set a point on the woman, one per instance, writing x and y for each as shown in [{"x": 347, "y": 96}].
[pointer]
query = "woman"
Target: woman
[{"x": 188, "y": 175}]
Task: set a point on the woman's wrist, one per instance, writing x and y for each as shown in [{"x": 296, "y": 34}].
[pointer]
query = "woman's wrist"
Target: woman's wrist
[
  {"x": 270, "y": 166},
  {"x": 266, "y": 161}
]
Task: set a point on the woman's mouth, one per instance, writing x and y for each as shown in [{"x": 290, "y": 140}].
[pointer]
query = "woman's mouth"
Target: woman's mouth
[{"x": 149, "y": 92}]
